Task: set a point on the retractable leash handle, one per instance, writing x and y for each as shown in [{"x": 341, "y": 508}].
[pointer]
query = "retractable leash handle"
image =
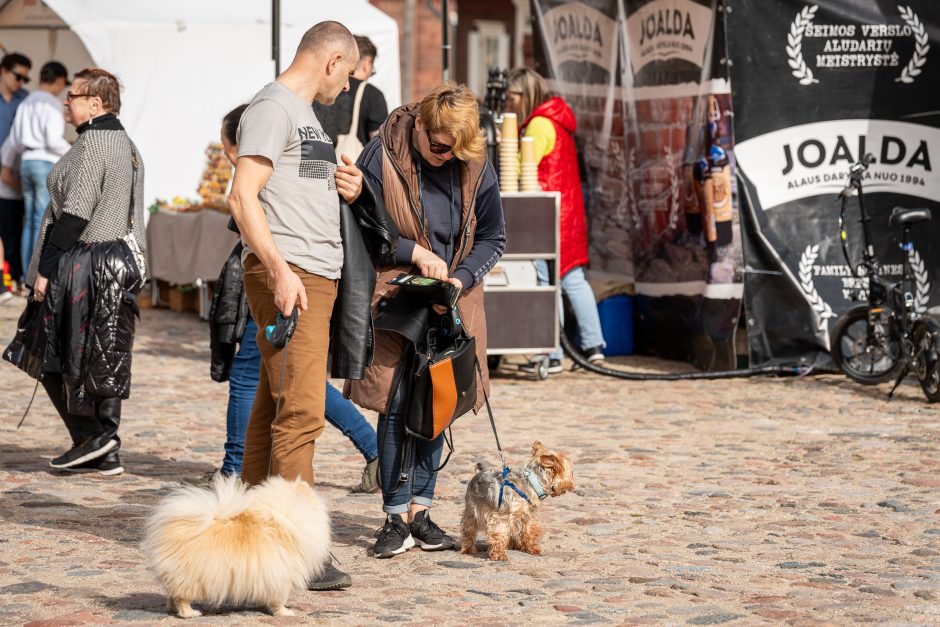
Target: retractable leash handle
[{"x": 280, "y": 333}]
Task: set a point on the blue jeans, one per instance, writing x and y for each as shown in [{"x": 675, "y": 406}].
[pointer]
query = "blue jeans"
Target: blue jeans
[
  {"x": 581, "y": 297},
  {"x": 422, "y": 476},
  {"x": 345, "y": 416},
  {"x": 33, "y": 174},
  {"x": 243, "y": 383}
]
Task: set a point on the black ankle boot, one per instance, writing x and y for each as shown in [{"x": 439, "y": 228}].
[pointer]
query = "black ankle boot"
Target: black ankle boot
[
  {"x": 80, "y": 427},
  {"x": 108, "y": 411}
]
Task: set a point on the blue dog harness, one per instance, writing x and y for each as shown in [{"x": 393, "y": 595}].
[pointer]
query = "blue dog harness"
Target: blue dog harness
[
  {"x": 507, "y": 482},
  {"x": 533, "y": 481}
]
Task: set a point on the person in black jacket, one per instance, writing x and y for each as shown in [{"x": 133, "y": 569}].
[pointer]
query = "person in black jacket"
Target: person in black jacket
[{"x": 236, "y": 357}]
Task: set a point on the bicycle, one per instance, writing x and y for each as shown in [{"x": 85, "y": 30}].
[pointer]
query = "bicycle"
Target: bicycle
[{"x": 885, "y": 337}]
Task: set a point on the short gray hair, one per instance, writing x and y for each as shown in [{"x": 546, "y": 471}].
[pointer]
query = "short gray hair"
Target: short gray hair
[{"x": 327, "y": 36}]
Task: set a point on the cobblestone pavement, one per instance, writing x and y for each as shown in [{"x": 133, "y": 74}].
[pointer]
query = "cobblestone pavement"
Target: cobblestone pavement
[{"x": 745, "y": 501}]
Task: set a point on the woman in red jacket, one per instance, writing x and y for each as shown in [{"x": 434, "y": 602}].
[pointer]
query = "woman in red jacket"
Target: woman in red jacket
[{"x": 550, "y": 122}]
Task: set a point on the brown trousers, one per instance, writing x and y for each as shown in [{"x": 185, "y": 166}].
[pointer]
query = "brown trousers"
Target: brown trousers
[{"x": 286, "y": 447}]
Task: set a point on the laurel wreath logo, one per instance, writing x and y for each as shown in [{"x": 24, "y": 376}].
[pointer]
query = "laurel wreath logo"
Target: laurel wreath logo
[
  {"x": 922, "y": 296},
  {"x": 795, "y": 44},
  {"x": 822, "y": 309},
  {"x": 808, "y": 259},
  {"x": 912, "y": 69}
]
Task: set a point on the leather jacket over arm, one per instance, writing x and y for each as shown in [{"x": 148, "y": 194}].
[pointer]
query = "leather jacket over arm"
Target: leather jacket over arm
[
  {"x": 89, "y": 318},
  {"x": 228, "y": 316},
  {"x": 369, "y": 235}
]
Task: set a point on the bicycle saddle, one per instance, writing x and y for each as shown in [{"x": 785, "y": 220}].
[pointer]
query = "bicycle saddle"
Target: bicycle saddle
[{"x": 900, "y": 215}]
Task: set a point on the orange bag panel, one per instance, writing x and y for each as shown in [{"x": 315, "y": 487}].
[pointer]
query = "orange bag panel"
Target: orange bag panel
[{"x": 444, "y": 395}]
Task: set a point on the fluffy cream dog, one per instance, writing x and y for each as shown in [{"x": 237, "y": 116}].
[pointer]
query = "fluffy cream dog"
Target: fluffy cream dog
[{"x": 233, "y": 545}]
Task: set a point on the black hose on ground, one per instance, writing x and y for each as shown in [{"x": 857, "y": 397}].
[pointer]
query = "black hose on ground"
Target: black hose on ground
[{"x": 579, "y": 359}]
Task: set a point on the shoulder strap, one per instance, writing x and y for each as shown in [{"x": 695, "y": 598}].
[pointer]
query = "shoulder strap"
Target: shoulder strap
[
  {"x": 354, "y": 125},
  {"x": 135, "y": 165}
]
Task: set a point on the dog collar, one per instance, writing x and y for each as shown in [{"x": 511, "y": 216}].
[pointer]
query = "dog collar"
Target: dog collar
[{"x": 536, "y": 485}]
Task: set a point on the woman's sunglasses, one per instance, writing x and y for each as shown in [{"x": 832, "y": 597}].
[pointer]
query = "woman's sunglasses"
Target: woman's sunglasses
[{"x": 436, "y": 148}]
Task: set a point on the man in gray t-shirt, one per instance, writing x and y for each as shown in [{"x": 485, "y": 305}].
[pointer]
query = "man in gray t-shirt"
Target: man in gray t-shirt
[
  {"x": 299, "y": 199},
  {"x": 284, "y": 199}
]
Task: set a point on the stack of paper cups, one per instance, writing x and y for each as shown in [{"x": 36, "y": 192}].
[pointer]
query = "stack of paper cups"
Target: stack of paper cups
[
  {"x": 509, "y": 154},
  {"x": 528, "y": 169}
]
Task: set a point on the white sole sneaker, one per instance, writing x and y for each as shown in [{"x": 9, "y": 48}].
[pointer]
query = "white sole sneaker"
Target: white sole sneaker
[
  {"x": 432, "y": 547},
  {"x": 110, "y": 472},
  {"x": 408, "y": 543},
  {"x": 101, "y": 452}
]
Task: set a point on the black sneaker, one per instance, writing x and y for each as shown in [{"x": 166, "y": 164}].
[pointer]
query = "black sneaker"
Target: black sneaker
[
  {"x": 593, "y": 354},
  {"x": 428, "y": 535},
  {"x": 331, "y": 578},
  {"x": 394, "y": 538},
  {"x": 109, "y": 465},
  {"x": 90, "y": 449},
  {"x": 554, "y": 366}
]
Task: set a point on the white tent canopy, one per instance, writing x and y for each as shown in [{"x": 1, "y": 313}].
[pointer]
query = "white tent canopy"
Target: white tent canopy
[{"x": 185, "y": 63}]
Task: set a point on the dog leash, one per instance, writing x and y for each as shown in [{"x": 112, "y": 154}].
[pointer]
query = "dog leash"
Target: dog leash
[
  {"x": 32, "y": 398},
  {"x": 505, "y": 482}
]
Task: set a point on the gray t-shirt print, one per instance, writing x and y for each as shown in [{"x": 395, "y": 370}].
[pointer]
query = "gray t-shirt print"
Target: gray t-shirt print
[
  {"x": 317, "y": 155},
  {"x": 299, "y": 199}
]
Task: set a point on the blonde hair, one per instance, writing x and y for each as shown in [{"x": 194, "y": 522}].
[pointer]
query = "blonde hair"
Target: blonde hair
[
  {"x": 103, "y": 84},
  {"x": 452, "y": 109},
  {"x": 531, "y": 85}
]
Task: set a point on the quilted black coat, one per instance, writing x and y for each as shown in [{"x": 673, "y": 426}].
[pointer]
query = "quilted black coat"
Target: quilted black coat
[{"x": 85, "y": 326}]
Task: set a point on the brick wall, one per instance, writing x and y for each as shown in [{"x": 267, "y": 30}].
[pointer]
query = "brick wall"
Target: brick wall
[{"x": 425, "y": 44}]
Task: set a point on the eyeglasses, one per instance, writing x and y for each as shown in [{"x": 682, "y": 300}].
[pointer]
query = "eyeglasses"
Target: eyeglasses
[
  {"x": 20, "y": 77},
  {"x": 69, "y": 95},
  {"x": 435, "y": 147}
]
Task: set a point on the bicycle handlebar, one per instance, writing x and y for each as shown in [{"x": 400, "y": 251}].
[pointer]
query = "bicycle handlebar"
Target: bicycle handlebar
[
  {"x": 855, "y": 175},
  {"x": 862, "y": 164}
]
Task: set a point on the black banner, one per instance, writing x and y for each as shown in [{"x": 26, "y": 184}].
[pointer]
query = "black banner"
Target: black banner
[{"x": 815, "y": 86}]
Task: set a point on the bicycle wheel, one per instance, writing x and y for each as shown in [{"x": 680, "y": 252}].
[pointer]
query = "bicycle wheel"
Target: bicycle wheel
[
  {"x": 926, "y": 337},
  {"x": 867, "y": 355}
]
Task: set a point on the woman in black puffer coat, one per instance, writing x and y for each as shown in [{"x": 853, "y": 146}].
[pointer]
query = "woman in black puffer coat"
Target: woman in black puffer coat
[{"x": 86, "y": 275}]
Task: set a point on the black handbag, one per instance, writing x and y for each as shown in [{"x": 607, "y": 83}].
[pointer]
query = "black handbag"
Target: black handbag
[
  {"x": 443, "y": 386},
  {"x": 27, "y": 349}
]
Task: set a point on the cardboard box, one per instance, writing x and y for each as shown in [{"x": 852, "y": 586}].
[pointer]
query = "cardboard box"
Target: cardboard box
[
  {"x": 144, "y": 298},
  {"x": 186, "y": 299}
]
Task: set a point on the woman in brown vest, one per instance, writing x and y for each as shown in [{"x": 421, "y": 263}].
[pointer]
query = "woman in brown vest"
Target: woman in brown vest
[{"x": 429, "y": 161}]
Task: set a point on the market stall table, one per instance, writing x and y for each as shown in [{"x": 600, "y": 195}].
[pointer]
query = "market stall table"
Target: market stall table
[{"x": 188, "y": 248}]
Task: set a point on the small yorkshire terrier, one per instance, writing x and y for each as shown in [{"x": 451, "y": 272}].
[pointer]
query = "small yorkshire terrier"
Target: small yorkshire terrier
[
  {"x": 513, "y": 525},
  {"x": 238, "y": 545}
]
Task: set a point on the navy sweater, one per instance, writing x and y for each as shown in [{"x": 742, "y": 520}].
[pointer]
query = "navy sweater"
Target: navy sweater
[{"x": 441, "y": 200}]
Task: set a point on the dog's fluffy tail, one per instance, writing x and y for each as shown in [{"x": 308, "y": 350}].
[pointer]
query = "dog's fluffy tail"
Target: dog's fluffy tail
[{"x": 226, "y": 498}]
